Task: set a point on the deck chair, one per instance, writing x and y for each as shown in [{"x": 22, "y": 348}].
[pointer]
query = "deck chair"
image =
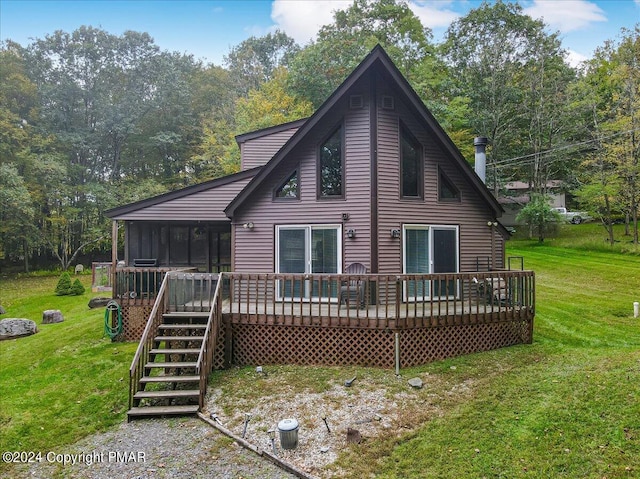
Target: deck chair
[
  {"x": 353, "y": 290},
  {"x": 494, "y": 290}
]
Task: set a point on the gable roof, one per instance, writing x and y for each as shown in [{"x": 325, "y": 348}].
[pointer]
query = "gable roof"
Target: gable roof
[
  {"x": 201, "y": 202},
  {"x": 377, "y": 58}
]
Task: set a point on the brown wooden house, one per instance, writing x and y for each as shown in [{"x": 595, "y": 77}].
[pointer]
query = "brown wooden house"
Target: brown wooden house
[{"x": 369, "y": 199}]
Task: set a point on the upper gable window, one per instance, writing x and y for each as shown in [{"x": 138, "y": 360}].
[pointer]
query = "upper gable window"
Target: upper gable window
[
  {"x": 410, "y": 165},
  {"x": 331, "y": 166},
  {"x": 290, "y": 188},
  {"x": 447, "y": 191}
]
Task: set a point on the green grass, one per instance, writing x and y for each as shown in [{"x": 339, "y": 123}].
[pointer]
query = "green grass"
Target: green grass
[
  {"x": 567, "y": 405},
  {"x": 66, "y": 381}
]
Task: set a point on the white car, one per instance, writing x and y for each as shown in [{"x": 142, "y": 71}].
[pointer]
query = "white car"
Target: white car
[{"x": 574, "y": 217}]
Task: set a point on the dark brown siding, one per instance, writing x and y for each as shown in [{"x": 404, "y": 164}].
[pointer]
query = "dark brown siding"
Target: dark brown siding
[
  {"x": 470, "y": 214},
  {"x": 254, "y": 249},
  {"x": 259, "y": 151}
]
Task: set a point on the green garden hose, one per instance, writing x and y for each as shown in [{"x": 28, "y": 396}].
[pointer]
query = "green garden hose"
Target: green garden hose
[{"x": 109, "y": 330}]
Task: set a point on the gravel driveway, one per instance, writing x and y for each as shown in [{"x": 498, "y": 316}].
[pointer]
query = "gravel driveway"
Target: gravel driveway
[{"x": 153, "y": 449}]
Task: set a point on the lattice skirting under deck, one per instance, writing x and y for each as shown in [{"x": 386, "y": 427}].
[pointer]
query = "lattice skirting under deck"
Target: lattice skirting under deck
[{"x": 276, "y": 344}]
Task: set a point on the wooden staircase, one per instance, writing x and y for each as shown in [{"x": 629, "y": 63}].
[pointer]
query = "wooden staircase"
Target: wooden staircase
[{"x": 169, "y": 383}]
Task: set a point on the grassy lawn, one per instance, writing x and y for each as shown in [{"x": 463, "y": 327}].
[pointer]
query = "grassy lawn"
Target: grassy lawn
[
  {"x": 64, "y": 382},
  {"x": 566, "y": 406}
]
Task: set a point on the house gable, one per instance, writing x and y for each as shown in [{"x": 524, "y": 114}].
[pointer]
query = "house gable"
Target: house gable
[{"x": 379, "y": 61}]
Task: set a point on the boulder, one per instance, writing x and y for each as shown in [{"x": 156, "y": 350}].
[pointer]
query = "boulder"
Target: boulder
[
  {"x": 99, "y": 302},
  {"x": 51, "y": 316},
  {"x": 11, "y": 328}
]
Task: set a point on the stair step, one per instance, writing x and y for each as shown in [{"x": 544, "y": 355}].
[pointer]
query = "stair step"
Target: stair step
[
  {"x": 179, "y": 338},
  {"x": 176, "y": 364},
  {"x": 170, "y": 379},
  {"x": 182, "y": 326},
  {"x": 178, "y": 393},
  {"x": 174, "y": 351},
  {"x": 147, "y": 411},
  {"x": 187, "y": 314}
]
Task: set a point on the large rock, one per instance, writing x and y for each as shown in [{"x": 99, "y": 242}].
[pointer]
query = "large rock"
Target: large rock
[
  {"x": 11, "y": 328},
  {"x": 51, "y": 316},
  {"x": 2, "y": 310}
]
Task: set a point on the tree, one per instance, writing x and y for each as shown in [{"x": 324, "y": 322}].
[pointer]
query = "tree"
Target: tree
[
  {"x": 321, "y": 66},
  {"x": 255, "y": 60},
  {"x": 514, "y": 76},
  {"x": 538, "y": 215}
]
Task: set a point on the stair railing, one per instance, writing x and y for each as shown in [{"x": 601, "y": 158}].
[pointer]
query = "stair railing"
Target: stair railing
[
  {"x": 136, "y": 371},
  {"x": 205, "y": 358}
]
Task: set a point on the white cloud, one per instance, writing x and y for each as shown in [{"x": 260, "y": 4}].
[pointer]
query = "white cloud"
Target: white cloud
[
  {"x": 301, "y": 20},
  {"x": 434, "y": 14},
  {"x": 566, "y": 15},
  {"x": 575, "y": 59}
]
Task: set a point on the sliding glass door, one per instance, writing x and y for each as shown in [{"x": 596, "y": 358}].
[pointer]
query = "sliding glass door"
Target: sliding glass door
[
  {"x": 430, "y": 249},
  {"x": 308, "y": 249}
]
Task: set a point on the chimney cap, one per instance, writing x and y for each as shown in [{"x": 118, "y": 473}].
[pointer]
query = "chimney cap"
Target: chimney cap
[{"x": 480, "y": 140}]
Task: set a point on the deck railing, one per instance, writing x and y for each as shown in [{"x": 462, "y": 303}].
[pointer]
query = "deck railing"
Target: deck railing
[
  {"x": 140, "y": 285},
  {"x": 205, "y": 358},
  {"x": 141, "y": 357},
  {"x": 381, "y": 301}
]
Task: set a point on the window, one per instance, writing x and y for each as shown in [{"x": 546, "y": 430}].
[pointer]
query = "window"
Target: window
[
  {"x": 330, "y": 167},
  {"x": 430, "y": 249},
  {"x": 447, "y": 191},
  {"x": 289, "y": 188},
  {"x": 411, "y": 170},
  {"x": 308, "y": 249}
]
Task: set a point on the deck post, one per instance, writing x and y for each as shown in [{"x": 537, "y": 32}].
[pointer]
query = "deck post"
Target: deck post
[
  {"x": 114, "y": 257},
  {"x": 228, "y": 342},
  {"x": 397, "y": 354}
]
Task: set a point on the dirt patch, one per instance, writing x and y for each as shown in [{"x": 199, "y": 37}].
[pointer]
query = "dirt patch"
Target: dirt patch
[{"x": 374, "y": 408}]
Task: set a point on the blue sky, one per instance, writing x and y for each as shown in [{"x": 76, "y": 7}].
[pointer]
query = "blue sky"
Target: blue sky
[{"x": 207, "y": 29}]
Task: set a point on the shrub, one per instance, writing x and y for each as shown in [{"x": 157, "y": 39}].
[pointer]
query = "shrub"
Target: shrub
[
  {"x": 64, "y": 284},
  {"x": 76, "y": 288}
]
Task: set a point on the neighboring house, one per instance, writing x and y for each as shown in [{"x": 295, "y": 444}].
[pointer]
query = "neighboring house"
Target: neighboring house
[
  {"x": 359, "y": 235},
  {"x": 371, "y": 178},
  {"x": 517, "y": 195}
]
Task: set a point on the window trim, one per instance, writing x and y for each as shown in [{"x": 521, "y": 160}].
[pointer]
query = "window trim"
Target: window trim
[
  {"x": 430, "y": 228},
  {"x": 308, "y": 228},
  {"x": 402, "y": 130},
  {"x": 296, "y": 172},
  {"x": 443, "y": 176},
  {"x": 342, "y": 194}
]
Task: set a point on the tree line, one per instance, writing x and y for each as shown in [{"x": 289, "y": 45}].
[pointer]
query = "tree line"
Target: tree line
[{"x": 90, "y": 120}]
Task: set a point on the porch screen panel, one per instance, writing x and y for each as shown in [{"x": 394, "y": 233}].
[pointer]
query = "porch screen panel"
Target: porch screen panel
[
  {"x": 324, "y": 259},
  {"x": 292, "y": 259},
  {"x": 179, "y": 245},
  {"x": 199, "y": 247},
  {"x": 417, "y": 259}
]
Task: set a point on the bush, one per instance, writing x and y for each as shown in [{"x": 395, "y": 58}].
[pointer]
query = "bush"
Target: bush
[
  {"x": 64, "y": 285},
  {"x": 76, "y": 288}
]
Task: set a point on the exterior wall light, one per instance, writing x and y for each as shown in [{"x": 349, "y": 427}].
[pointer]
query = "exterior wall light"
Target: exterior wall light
[
  {"x": 492, "y": 223},
  {"x": 351, "y": 233},
  {"x": 395, "y": 233},
  {"x": 248, "y": 226}
]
